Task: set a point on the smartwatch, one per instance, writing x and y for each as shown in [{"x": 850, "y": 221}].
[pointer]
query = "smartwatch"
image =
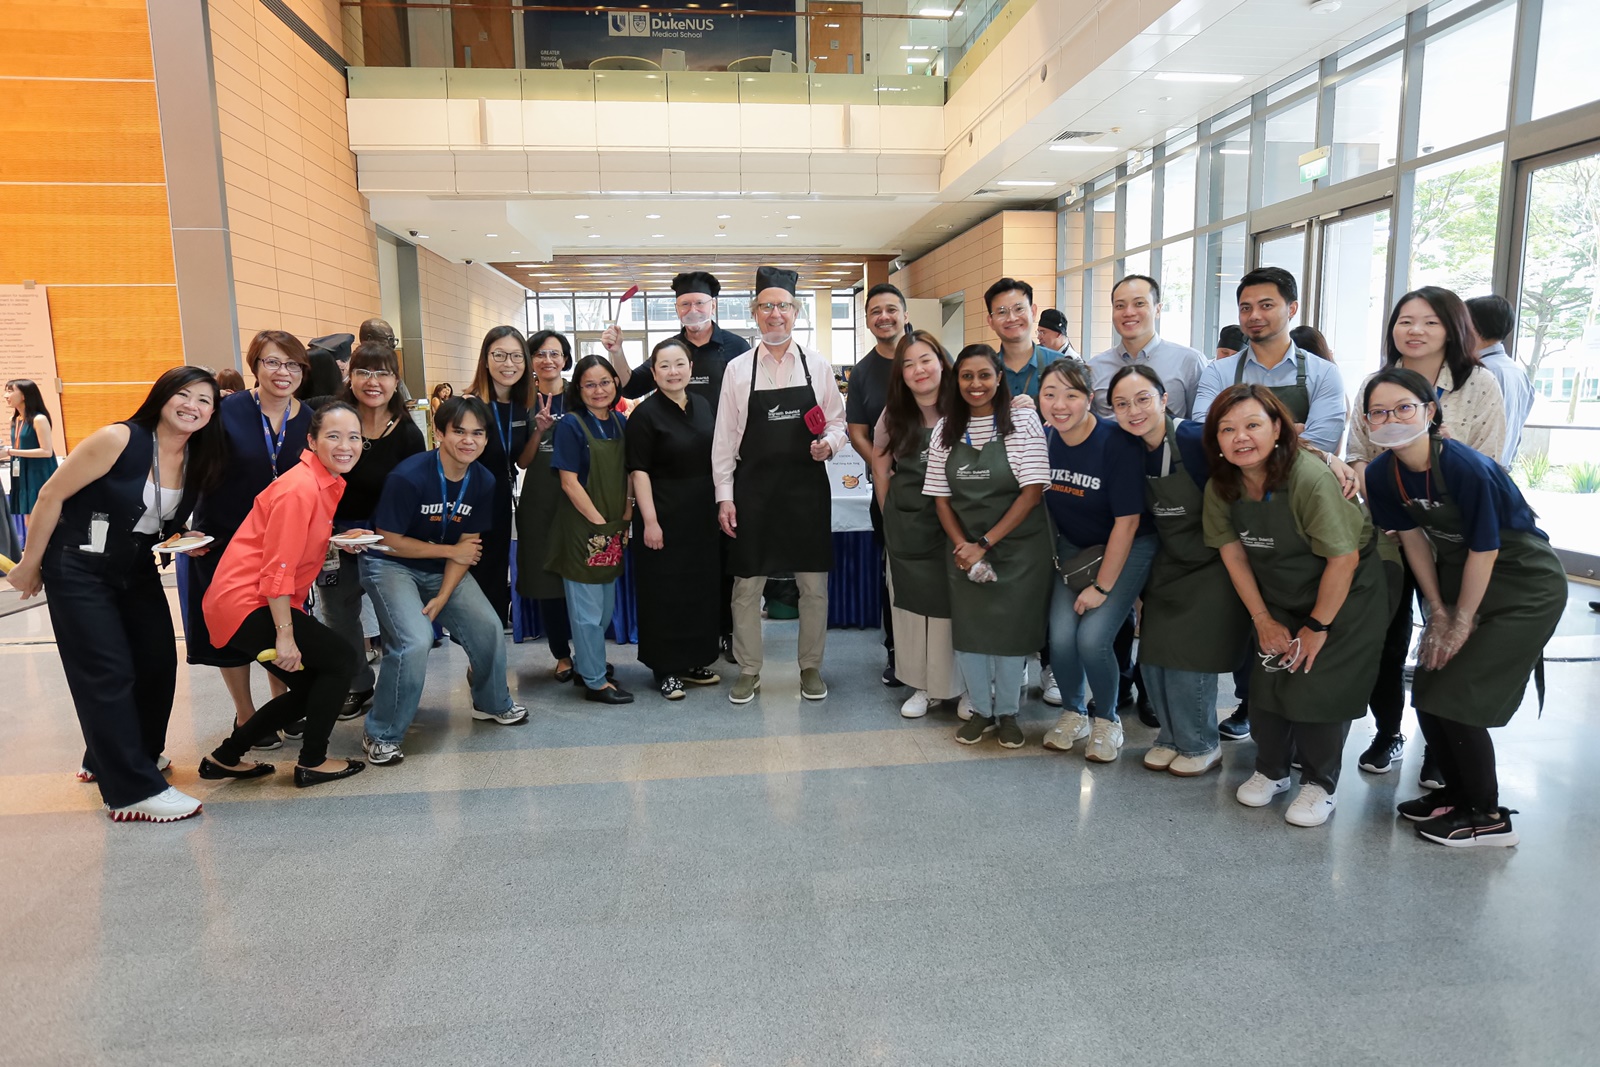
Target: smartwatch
[
  {"x": 1314, "y": 626},
  {"x": 1096, "y": 587},
  {"x": 983, "y": 543}
]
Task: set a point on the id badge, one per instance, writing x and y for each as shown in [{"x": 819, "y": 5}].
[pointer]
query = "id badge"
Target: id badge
[{"x": 99, "y": 527}]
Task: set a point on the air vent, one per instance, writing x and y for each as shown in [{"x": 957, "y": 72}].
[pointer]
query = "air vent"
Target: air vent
[{"x": 1079, "y": 135}]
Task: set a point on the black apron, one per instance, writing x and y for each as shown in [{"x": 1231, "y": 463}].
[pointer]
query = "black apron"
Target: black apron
[
  {"x": 1483, "y": 683},
  {"x": 914, "y": 539},
  {"x": 536, "y": 511},
  {"x": 1193, "y": 619},
  {"x": 1005, "y": 617},
  {"x": 1296, "y": 397},
  {"x": 780, "y": 494}
]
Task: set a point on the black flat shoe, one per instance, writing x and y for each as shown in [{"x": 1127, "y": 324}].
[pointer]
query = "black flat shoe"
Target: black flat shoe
[
  {"x": 214, "y": 771},
  {"x": 304, "y": 776},
  {"x": 564, "y": 675},
  {"x": 577, "y": 679},
  {"x": 609, "y": 695}
]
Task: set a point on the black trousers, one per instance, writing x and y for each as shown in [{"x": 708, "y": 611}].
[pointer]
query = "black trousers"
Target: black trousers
[
  {"x": 114, "y": 635},
  {"x": 1317, "y": 746},
  {"x": 875, "y": 513},
  {"x": 1465, "y": 755},
  {"x": 1127, "y": 666},
  {"x": 1388, "y": 699},
  {"x": 492, "y": 572},
  {"x": 557, "y": 626},
  {"x": 316, "y": 691}
]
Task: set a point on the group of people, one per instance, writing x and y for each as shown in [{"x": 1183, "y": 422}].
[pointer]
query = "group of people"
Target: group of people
[{"x": 1031, "y": 504}]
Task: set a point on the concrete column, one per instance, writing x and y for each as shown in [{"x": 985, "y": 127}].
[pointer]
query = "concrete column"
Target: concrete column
[{"x": 823, "y": 327}]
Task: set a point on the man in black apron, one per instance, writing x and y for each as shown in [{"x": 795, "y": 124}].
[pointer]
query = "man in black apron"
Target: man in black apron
[{"x": 779, "y": 421}]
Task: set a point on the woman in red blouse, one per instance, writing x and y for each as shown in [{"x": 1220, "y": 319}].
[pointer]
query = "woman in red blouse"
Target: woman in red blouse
[{"x": 255, "y": 602}]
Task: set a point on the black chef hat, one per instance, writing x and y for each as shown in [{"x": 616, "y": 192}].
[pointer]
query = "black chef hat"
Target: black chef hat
[
  {"x": 776, "y": 278},
  {"x": 1051, "y": 319},
  {"x": 696, "y": 281}
]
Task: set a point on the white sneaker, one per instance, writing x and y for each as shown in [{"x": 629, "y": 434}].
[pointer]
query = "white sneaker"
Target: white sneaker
[
  {"x": 1258, "y": 790},
  {"x": 1160, "y": 758},
  {"x": 964, "y": 707},
  {"x": 916, "y": 705},
  {"x": 1311, "y": 806},
  {"x": 513, "y": 715},
  {"x": 169, "y": 805},
  {"x": 381, "y": 753},
  {"x": 1104, "y": 741},
  {"x": 1194, "y": 766},
  {"x": 1072, "y": 727},
  {"x": 1049, "y": 691}
]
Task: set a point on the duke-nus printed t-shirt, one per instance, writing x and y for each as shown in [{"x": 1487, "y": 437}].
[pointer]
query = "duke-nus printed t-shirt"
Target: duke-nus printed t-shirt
[
  {"x": 1094, "y": 483},
  {"x": 412, "y": 505}
]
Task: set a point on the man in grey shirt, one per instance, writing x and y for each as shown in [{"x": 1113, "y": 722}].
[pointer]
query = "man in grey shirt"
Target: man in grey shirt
[
  {"x": 1493, "y": 320},
  {"x": 1135, "y": 307}
]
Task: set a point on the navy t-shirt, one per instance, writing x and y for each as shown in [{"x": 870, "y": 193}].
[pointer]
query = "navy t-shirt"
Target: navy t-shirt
[
  {"x": 1191, "y": 452},
  {"x": 1489, "y": 500},
  {"x": 572, "y": 446},
  {"x": 1094, "y": 483},
  {"x": 411, "y": 505}
]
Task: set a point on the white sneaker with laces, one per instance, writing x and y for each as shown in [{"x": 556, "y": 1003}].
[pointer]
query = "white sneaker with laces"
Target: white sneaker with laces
[
  {"x": 1049, "y": 691},
  {"x": 1258, "y": 790},
  {"x": 1105, "y": 740},
  {"x": 1072, "y": 727},
  {"x": 1311, "y": 806},
  {"x": 916, "y": 705},
  {"x": 964, "y": 707},
  {"x": 513, "y": 715},
  {"x": 381, "y": 753},
  {"x": 169, "y": 805}
]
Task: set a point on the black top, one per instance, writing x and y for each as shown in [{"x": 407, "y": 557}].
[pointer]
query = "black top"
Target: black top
[
  {"x": 666, "y": 441},
  {"x": 506, "y": 421},
  {"x": 250, "y": 469},
  {"x": 118, "y": 496},
  {"x": 364, "y": 484},
  {"x": 869, "y": 390},
  {"x": 707, "y": 364}
]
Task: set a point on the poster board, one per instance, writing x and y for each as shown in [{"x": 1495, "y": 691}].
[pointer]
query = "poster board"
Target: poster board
[
  {"x": 28, "y": 350},
  {"x": 708, "y": 40}
]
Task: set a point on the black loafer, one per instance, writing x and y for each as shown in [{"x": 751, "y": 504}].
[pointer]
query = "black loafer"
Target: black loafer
[
  {"x": 609, "y": 695},
  {"x": 304, "y": 776},
  {"x": 564, "y": 675},
  {"x": 577, "y": 679},
  {"x": 214, "y": 771}
]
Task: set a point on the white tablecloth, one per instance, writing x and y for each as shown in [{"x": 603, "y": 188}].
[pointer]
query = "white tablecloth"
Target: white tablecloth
[{"x": 852, "y": 492}]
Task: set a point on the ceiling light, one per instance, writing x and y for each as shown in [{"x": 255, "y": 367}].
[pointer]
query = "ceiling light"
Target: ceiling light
[
  {"x": 491, "y": 235},
  {"x": 1215, "y": 79},
  {"x": 1019, "y": 181},
  {"x": 791, "y": 217},
  {"x": 652, "y": 216},
  {"x": 719, "y": 235},
  {"x": 724, "y": 216},
  {"x": 580, "y": 216},
  {"x": 780, "y": 235},
  {"x": 916, "y": 48},
  {"x": 936, "y": 12},
  {"x": 527, "y": 266},
  {"x": 658, "y": 235},
  {"x": 422, "y": 237},
  {"x": 1325, "y": 7},
  {"x": 1081, "y": 148},
  {"x": 1235, "y": 151},
  {"x": 594, "y": 235}
]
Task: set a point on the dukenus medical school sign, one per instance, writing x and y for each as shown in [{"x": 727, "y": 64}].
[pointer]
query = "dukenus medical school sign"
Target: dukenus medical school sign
[{"x": 708, "y": 42}]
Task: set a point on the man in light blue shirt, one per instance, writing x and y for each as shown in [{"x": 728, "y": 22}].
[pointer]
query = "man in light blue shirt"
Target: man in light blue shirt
[
  {"x": 1135, "y": 306},
  {"x": 1311, "y": 388},
  {"x": 1493, "y": 321}
]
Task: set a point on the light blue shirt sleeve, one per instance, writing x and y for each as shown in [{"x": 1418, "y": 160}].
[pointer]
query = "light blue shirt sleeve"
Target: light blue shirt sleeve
[
  {"x": 1325, "y": 422},
  {"x": 1216, "y": 377}
]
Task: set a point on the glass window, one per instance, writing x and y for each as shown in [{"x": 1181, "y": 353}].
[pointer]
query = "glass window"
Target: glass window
[
  {"x": 593, "y": 311},
  {"x": 1354, "y": 304},
  {"x": 1177, "y": 194},
  {"x": 1138, "y": 263},
  {"x": 1443, "y": 9},
  {"x": 1287, "y": 89},
  {"x": 1366, "y": 121},
  {"x": 1230, "y": 175},
  {"x": 1180, "y": 139},
  {"x": 1136, "y": 227},
  {"x": 1229, "y": 117},
  {"x": 1567, "y": 74},
  {"x": 555, "y": 313},
  {"x": 1099, "y": 331},
  {"x": 1177, "y": 291},
  {"x": 844, "y": 311},
  {"x": 1286, "y": 250},
  {"x": 1466, "y": 74},
  {"x": 662, "y": 311},
  {"x": 1455, "y": 212},
  {"x": 1394, "y": 35},
  {"x": 1102, "y": 228},
  {"x": 1224, "y": 268},
  {"x": 1290, "y": 134}
]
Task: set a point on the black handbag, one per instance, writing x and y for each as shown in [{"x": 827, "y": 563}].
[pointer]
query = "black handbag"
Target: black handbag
[{"x": 1082, "y": 570}]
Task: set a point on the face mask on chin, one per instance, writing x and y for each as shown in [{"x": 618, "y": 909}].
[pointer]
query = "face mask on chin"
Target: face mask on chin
[
  {"x": 776, "y": 340},
  {"x": 1397, "y": 434},
  {"x": 693, "y": 320}
]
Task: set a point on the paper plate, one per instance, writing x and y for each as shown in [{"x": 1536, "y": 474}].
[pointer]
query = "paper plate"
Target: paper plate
[
  {"x": 354, "y": 542},
  {"x": 186, "y": 544}
]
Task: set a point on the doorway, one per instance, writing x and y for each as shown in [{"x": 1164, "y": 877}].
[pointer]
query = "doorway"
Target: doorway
[
  {"x": 834, "y": 37},
  {"x": 483, "y": 35}
]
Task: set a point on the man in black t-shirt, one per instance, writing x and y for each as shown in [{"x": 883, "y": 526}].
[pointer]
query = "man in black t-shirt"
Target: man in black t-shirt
[{"x": 710, "y": 346}]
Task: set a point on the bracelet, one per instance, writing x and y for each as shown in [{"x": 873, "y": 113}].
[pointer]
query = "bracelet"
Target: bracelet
[
  {"x": 1096, "y": 587},
  {"x": 1258, "y": 614},
  {"x": 285, "y": 626}
]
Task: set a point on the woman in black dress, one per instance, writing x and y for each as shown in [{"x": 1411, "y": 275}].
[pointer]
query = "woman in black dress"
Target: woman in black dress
[
  {"x": 502, "y": 381},
  {"x": 675, "y": 533}
]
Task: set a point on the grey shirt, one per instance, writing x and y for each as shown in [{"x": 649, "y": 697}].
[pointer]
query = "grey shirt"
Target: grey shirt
[{"x": 1177, "y": 365}]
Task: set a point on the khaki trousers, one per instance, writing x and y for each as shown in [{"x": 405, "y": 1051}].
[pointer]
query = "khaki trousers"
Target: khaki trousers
[{"x": 747, "y": 620}]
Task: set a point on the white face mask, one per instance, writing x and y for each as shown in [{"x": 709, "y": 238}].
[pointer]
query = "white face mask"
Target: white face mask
[
  {"x": 1397, "y": 434},
  {"x": 694, "y": 319},
  {"x": 777, "y": 339}
]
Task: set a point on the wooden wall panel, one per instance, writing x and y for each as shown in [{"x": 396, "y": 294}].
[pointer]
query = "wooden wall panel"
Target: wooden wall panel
[
  {"x": 115, "y": 333},
  {"x": 83, "y": 234},
  {"x": 89, "y": 407},
  {"x": 64, "y": 131},
  {"x": 75, "y": 38}
]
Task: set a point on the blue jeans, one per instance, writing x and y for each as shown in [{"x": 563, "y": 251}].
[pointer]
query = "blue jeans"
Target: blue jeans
[
  {"x": 398, "y": 594},
  {"x": 1003, "y": 673},
  {"x": 589, "y": 607},
  {"x": 1185, "y": 702},
  {"x": 1081, "y": 645}
]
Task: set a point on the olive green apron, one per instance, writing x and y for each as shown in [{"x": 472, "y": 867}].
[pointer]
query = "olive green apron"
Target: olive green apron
[
  {"x": 916, "y": 542},
  {"x": 1296, "y": 397},
  {"x": 1288, "y": 574},
  {"x": 1192, "y": 619},
  {"x": 579, "y": 550},
  {"x": 1005, "y": 617},
  {"x": 535, "y": 514},
  {"x": 1483, "y": 683}
]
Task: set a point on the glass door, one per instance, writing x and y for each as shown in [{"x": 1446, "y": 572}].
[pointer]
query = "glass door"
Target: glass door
[
  {"x": 1285, "y": 247},
  {"x": 1353, "y": 285}
]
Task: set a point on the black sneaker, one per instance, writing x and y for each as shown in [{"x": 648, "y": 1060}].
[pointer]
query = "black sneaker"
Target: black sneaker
[
  {"x": 1465, "y": 828},
  {"x": 1381, "y": 755},
  {"x": 671, "y": 688},
  {"x": 1010, "y": 732},
  {"x": 1429, "y": 805},
  {"x": 1431, "y": 777},
  {"x": 973, "y": 729},
  {"x": 700, "y": 676},
  {"x": 1147, "y": 712},
  {"x": 890, "y": 679},
  {"x": 725, "y": 646},
  {"x": 295, "y": 730},
  {"x": 354, "y": 705},
  {"x": 1236, "y": 727},
  {"x": 268, "y": 743}
]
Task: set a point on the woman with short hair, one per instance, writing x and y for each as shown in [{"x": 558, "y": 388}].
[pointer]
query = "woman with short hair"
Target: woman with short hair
[{"x": 551, "y": 354}]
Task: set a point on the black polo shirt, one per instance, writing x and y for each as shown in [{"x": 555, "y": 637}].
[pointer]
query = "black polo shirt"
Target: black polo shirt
[{"x": 707, "y": 364}]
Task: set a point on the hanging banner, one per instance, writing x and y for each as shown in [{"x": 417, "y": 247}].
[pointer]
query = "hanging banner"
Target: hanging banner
[
  {"x": 28, "y": 349},
  {"x": 710, "y": 41}
]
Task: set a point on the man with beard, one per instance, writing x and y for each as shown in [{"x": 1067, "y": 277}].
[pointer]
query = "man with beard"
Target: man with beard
[{"x": 710, "y": 346}]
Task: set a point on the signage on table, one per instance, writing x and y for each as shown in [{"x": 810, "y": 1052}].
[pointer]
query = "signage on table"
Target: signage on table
[
  {"x": 28, "y": 349},
  {"x": 574, "y": 39},
  {"x": 851, "y": 487}
]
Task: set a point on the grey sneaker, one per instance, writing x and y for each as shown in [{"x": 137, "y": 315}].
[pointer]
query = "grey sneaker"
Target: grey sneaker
[
  {"x": 973, "y": 729},
  {"x": 1072, "y": 727},
  {"x": 380, "y": 753},
  {"x": 745, "y": 689},
  {"x": 1010, "y": 732},
  {"x": 1104, "y": 742},
  {"x": 812, "y": 687},
  {"x": 513, "y": 715}
]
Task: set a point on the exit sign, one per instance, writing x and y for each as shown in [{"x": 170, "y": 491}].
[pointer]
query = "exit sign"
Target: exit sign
[{"x": 1314, "y": 164}]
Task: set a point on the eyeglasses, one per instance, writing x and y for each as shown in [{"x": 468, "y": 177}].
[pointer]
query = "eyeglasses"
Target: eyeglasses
[
  {"x": 693, "y": 305},
  {"x": 768, "y": 308},
  {"x": 557, "y": 355},
  {"x": 362, "y": 374},
  {"x": 507, "y": 357},
  {"x": 1400, "y": 412},
  {"x": 273, "y": 366},
  {"x": 595, "y": 387},
  {"x": 1015, "y": 311},
  {"x": 1142, "y": 401}
]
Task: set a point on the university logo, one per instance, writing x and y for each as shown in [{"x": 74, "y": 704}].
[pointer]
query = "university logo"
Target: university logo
[{"x": 628, "y": 23}]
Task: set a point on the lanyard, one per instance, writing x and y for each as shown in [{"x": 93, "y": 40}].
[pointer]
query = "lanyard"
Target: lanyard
[
  {"x": 503, "y": 431},
  {"x": 601, "y": 424},
  {"x": 448, "y": 515},
  {"x": 155, "y": 468},
  {"x": 273, "y": 447}
]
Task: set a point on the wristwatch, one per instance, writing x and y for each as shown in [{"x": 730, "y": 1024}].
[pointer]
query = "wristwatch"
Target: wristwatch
[
  {"x": 1096, "y": 587},
  {"x": 1314, "y": 626},
  {"x": 983, "y": 543}
]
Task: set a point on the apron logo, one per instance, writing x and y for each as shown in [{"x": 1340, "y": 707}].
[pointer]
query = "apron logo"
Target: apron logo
[
  {"x": 1164, "y": 511},
  {"x": 702, "y": 379},
  {"x": 965, "y": 473},
  {"x": 1452, "y": 537},
  {"x": 1257, "y": 541},
  {"x": 777, "y": 413}
]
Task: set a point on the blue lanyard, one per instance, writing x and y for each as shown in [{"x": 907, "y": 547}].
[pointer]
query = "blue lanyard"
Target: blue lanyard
[
  {"x": 273, "y": 447},
  {"x": 503, "y": 431},
  {"x": 600, "y": 425},
  {"x": 449, "y": 514}
]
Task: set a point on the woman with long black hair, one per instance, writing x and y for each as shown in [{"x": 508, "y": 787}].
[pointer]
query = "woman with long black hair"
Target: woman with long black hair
[
  {"x": 502, "y": 381},
  {"x": 32, "y": 447},
  {"x": 551, "y": 353},
  {"x": 122, "y": 491}
]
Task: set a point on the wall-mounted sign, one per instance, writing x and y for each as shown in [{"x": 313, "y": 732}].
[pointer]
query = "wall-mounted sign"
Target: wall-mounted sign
[
  {"x": 709, "y": 41},
  {"x": 28, "y": 349},
  {"x": 1314, "y": 164}
]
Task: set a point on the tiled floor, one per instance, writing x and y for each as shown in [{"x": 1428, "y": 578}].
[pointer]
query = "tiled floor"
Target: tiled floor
[{"x": 783, "y": 883}]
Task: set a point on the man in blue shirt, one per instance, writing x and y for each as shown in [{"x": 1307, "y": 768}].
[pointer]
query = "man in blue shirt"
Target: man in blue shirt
[
  {"x": 1493, "y": 320},
  {"x": 1135, "y": 308},
  {"x": 1011, "y": 317},
  {"x": 1311, "y": 388},
  {"x": 434, "y": 508}
]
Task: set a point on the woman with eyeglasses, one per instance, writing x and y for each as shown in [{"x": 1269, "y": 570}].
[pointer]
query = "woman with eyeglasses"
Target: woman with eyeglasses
[
  {"x": 1494, "y": 588},
  {"x": 502, "y": 381},
  {"x": 1302, "y": 559},
  {"x": 388, "y": 435},
  {"x": 541, "y": 493},
  {"x": 266, "y": 428},
  {"x": 591, "y": 523},
  {"x": 1430, "y": 333}
]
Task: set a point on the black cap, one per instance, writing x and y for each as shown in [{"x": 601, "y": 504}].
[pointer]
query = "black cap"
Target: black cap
[
  {"x": 696, "y": 281},
  {"x": 1051, "y": 319},
  {"x": 776, "y": 278},
  {"x": 1231, "y": 338}
]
